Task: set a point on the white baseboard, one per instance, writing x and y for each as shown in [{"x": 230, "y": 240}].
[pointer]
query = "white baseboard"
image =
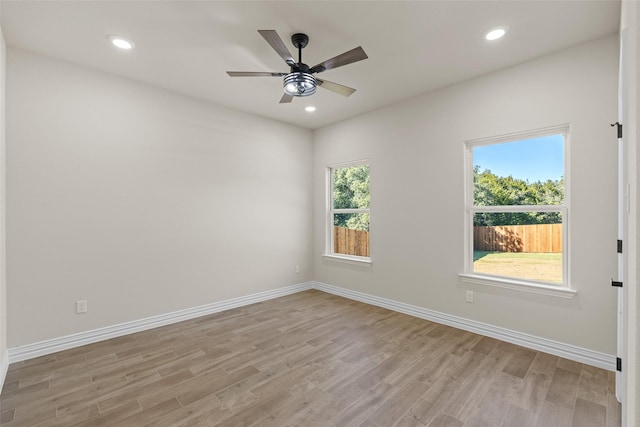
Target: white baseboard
[
  {"x": 4, "y": 367},
  {"x": 578, "y": 354},
  {"x": 568, "y": 351},
  {"x": 42, "y": 348}
]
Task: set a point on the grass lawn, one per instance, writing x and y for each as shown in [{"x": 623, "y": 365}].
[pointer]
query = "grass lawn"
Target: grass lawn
[{"x": 546, "y": 267}]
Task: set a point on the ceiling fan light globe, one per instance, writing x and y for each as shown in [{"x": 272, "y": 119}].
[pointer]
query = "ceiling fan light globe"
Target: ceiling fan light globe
[
  {"x": 291, "y": 88},
  {"x": 299, "y": 84}
]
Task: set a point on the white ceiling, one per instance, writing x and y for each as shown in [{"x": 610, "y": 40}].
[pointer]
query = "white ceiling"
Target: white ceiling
[{"x": 413, "y": 46}]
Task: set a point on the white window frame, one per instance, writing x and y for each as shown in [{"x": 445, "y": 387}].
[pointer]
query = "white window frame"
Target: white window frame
[
  {"x": 330, "y": 211},
  {"x": 564, "y": 289}
]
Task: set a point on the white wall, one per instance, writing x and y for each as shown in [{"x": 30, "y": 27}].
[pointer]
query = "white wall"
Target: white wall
[
  {"x": 633, "y": 126},
  {"x": 3, "y": 256},
  {"x": 416, "y": 155},
  {"x": 141, "y": 201}
]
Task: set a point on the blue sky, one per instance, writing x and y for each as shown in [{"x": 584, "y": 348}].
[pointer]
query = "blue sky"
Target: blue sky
[{"x": 535, "y": 159}]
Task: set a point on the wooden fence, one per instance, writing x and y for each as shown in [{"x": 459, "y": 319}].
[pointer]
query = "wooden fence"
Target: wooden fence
[
  {"x": 350, "y": 242},
  {"x": 508, "y": 238},
  {"x": 518, "y": 238}
]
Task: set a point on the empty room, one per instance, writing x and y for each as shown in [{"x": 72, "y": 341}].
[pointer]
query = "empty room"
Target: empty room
[{"x": 319, "y": 213}]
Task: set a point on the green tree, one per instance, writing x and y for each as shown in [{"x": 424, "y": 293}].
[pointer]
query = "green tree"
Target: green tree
[
  {"x": 351, "y": 191},
  {"x": 492, "y": 190}
]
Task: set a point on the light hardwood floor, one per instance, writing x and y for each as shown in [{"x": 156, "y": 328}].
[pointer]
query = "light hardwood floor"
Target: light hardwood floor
[{"x": 308, "y": 359}]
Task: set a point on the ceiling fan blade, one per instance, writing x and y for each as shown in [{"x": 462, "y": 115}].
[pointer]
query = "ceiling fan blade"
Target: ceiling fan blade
[
  {"x": 335, "y": 87},
  {"x": 286, "y": 98},
  {"x": 354, "y": 55},
  {"x": 254, "y": 74},
  {"x": 277, "y": 44}
]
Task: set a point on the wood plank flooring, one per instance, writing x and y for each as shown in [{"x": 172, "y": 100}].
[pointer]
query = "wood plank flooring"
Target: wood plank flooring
[{"x": 308, "y": 359}]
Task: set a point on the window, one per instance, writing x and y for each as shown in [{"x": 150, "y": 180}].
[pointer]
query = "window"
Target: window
[
  {"x": 517, "y": 210},
  {"x": 348, "y": 212}
]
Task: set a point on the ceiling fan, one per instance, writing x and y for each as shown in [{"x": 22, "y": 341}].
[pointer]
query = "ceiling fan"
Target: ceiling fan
[{"x": 300, "y": 81}]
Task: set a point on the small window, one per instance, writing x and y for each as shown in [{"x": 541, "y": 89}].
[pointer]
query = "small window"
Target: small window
[
  {"x": 517, "y": 211},
  {"x": 348, "y": 213}
]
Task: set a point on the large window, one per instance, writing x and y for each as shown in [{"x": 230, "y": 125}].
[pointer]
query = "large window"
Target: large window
[
  {"x": 517, "y": 210},
  {"x": 348, "y": 211}
]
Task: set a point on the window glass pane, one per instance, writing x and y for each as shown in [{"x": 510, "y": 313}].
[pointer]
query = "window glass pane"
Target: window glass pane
[
  {"x": 351, "y": 234},
  {"x": 525, "y": 245},
  {"x": 526, "y": 172},
  {"x": 351, "y": 187}
]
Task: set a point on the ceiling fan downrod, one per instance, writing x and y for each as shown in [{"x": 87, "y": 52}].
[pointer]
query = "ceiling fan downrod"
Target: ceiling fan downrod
[{"x": 300, "y": 41}]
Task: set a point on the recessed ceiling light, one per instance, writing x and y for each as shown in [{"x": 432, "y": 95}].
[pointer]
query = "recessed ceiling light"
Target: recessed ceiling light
[
  {"x": 121, "y": 43},
  {"x": 310, "y": 108},
  {"x": 495, "y": 33}
]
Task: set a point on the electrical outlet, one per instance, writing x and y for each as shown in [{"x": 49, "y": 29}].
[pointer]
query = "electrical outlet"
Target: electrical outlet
[
  {"x": 81, "y": 306},
  {"x": 297, "y": 269},
  {"x": 469, "y": 296}
]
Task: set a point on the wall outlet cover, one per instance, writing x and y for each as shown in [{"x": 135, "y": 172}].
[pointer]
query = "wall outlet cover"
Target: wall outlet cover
[
  {"x": 81, "y": 306},
  {"x": 469, "y": 296}
]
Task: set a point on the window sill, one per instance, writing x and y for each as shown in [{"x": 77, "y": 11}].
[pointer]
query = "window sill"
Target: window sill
[
  {"x": 518, "y": 285},
  {"x": 349, "y": 259}
]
